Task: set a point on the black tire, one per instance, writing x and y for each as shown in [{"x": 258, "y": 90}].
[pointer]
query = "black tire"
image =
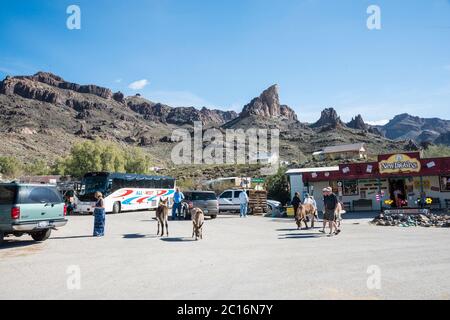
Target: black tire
[
  {"x": 41, "y": 235},
  {"x": 2, "y": 237},
  {"x": 214, "y": 216},
  {"x": 186, "y": 214},
  {"x": 117, "y": 208}
]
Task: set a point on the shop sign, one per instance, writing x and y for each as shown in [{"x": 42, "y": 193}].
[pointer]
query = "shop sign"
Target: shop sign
[{"x": 399, "y": 163}]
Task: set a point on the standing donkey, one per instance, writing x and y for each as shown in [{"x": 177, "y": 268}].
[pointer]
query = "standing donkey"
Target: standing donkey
[
  {"x": 162, "y": 215},
  {"x": 303, "y": 211},
  {"x": 198, "y": 219}
]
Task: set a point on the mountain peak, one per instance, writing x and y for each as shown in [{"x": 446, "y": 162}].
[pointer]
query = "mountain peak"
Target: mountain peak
[
  {"x": 328, "y": 117},
  {"x": 268, "y": 105},
  {"x": 357, "y": 123}
]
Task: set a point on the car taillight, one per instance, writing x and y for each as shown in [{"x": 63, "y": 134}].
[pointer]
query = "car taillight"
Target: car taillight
[
  {"x": 65, "y": 210},
  {"x": 15, "y": 213}
]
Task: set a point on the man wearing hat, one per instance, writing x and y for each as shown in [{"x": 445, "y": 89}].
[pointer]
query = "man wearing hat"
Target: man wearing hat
[{"x": 330, "y": 202}]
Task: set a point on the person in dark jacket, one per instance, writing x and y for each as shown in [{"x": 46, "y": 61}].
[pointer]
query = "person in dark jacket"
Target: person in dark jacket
[
  {"x": 296, "y": 201},
  {"x": 330, "y": 202}
]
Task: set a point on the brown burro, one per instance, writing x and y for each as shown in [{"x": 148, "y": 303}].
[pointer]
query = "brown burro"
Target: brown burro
[
  {"x": 162, "y": 215},
  {"x": 303, "y": 211},
  {"x": 198, "y": 219}
]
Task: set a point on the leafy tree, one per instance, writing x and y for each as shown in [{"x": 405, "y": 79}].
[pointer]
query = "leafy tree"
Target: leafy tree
[
  {"x": 10, "y": 167},
  {"x": 278, "y": 187},
  {"x": 38, "y": 168},
  {"x": 60, "y": 167},
  {"x": 136, "y": 161},
  {"x": 91, "y": 156},
  {"x": 84, "y": 157},
  {"x": 112, "y": 158}
]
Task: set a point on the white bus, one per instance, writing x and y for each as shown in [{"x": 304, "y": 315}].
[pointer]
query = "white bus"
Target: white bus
[{"x": 123, "y": 192}]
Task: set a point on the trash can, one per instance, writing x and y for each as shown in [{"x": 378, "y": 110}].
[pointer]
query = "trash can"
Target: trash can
[{"x": 290, "y": 211}]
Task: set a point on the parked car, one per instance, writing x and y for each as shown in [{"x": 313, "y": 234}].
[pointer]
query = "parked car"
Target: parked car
[
  {"x": 204, "y": 200},
  {"x": 30, "y": 209},
  {"x": 275, "y": 207},
  {"x": 229, "y": 200}
]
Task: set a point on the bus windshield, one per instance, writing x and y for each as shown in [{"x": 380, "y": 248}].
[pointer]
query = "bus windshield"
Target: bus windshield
[{"x": 92, "y": 184}]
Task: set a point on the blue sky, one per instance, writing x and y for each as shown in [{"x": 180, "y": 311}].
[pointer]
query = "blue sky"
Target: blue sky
[{"x": 222, "y": 53}]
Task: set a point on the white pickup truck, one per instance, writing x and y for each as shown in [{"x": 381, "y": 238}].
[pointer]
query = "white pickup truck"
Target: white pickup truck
[{"x": 229, "y": 201}]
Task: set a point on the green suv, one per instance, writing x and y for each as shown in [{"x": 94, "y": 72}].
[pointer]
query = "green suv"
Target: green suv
[{"x": 30, "y": 209}]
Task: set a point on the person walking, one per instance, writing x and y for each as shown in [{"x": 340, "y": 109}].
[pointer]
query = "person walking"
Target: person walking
[
  {"x": 243, "y": 200},
  {"x": 398, "y": 197},
  {"x": 330, "y": 201},
  {"x": 178, "y": 198},
  {"x": 309, "y": 199},
  {"x": 296, "y": 202},
  {"x": 99, "y": 215}
]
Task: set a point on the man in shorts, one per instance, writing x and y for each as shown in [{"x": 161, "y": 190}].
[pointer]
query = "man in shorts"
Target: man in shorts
[{"x": 330, "y": 202}]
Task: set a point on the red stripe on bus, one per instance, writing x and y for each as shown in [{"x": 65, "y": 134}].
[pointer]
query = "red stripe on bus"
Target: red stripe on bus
[{"x": 127, "y": 193}]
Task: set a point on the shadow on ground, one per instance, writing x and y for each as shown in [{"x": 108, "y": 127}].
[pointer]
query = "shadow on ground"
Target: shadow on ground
[
  {"x": 71, "y": 237},
  {"x": 300, "y": 236},
  {"x": 295, "y": 229},
  {"x": 138, "y": 236},
  {"x": 17, "y": 244},
  {"x": 178, "y": 239}
]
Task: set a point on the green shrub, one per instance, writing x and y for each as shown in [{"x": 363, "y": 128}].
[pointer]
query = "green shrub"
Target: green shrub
[
  {"x": 278, "y": 187},
  {"x": 10, "y": 167},
  {"x": 97, "y": 156}
]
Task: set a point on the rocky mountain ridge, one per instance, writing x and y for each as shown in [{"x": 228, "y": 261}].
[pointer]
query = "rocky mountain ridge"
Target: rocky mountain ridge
[
  {"x": 406, "y": 126},
  {"x": 41, "y": 116}
]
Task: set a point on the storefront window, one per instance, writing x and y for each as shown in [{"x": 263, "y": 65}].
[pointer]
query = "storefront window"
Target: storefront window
[
  {"x": 334, "y": 186},
  {"x": 349, "y": 187},
  {"x": 445, "y": 183}
]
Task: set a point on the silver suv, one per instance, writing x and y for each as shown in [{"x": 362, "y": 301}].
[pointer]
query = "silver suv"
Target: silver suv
[{"x": 204, "y": 200}]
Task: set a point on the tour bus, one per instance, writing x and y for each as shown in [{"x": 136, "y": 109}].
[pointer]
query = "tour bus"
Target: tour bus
[{"x": 123, "y": 192}]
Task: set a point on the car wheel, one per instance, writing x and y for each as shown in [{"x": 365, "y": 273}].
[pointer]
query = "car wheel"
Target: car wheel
[
  {"x": 2, "y": 237},
  {"x": 116, "y": 208},
  {"x": 186, "y": 214},
  {"x": 214, "y": 216},
  {"x": 41, "y": 235}
]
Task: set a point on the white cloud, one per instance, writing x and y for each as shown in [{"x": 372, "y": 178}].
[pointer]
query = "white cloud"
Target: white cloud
[
  {"x": 118, "y": 80},
  {"x": 138, "y": 85}
]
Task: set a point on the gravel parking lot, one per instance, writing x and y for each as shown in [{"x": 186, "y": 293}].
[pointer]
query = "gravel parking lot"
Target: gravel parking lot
[{"x": 253, "y": 258}]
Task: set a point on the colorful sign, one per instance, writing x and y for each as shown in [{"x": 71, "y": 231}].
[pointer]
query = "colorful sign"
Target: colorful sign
[{"x": 399, "y": 163}]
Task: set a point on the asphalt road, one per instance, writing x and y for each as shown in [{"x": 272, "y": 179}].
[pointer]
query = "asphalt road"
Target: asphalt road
[{"x": 253, "y": 258}]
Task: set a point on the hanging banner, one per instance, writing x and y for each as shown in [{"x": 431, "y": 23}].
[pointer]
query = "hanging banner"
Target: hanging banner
[{"x": 399, "y": 163}]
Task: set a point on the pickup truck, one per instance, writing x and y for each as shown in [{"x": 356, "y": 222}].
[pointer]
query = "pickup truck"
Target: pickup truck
[
  {"x": 229, "y": 201},
  {"x": 30, "y": 209}
]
